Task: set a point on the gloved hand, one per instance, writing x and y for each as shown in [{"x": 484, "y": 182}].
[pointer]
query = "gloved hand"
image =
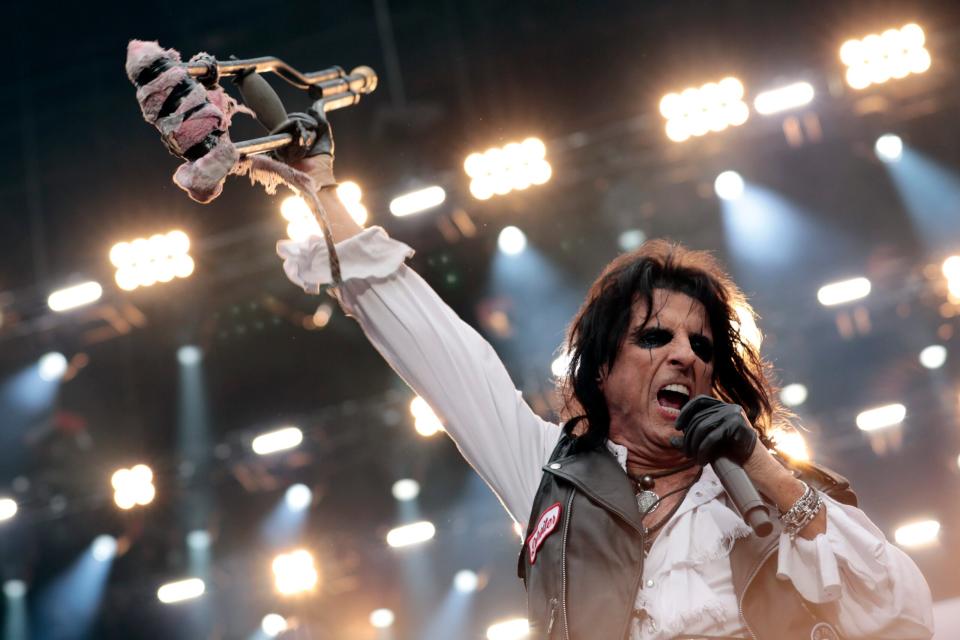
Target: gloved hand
[
  {"x": 712, "y": 429},
  {"x": 311, "y": 135}
]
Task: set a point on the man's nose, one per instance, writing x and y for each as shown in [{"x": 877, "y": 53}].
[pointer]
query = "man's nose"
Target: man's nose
[{"x": 681, "y": 354}]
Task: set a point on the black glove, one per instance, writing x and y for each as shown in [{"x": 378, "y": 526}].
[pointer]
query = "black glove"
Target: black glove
[
  {"x": 311, "y": 136},
  {"x": 713, "y": 429}
]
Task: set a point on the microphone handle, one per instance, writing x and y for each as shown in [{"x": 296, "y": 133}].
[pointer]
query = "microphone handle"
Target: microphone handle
[
  {"x": 261, "y": 97},
  {"x": 744, "y": 495}
]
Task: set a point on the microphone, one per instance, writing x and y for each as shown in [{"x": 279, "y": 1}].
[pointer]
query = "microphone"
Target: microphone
[{"x": 744, "y": 495}]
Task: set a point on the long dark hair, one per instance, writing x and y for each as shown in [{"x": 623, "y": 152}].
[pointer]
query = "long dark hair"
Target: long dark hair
[{"x": 741, "y": 376}]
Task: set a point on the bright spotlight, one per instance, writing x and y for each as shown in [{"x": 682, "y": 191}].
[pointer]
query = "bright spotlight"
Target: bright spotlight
[
  {"x": 513, "y": 167},
  {"x": 913, "y": 535},
  {"x": 512, "y": 241},
  {"x": 198, "y": 539},
  {"x": 351, "y": 195},
  {"x": 844, "y": 291},
  {"x": 426, "y": 421},
  {"x": 52, "y": 366},
  {"x": 301, "y": 223},
  {"x": 182, "y": 590},
  {"x": 104, "y": 548},
  {"x": 417, "y": 201},
  {"x": 133, "y": 486},
  {"x": 934, "y": 356},
  {"x": 877, "y": 58},
  {"x": 405, "y": 489},
  {"x": 512, "y": 629},
  {"x": 277, "y": 440},
  {"x": 14, "y": 589},
  {"x": 728, "y": 185},
  {"x": 146, "y": 261},
  {"x": 382, "y": 618},
  {"x": 746, "y": 326},
  {"x": 791, "y": 96},
  {"x": 951, "y": 268},
  {"x": 698, "y": 111},
  {"x": 560, "y": 365},
  {"x": 792, "y": 444},
  {"x": 298, "y": 497},
  {"x": 189, "y": 355},
  {"x": 294, "y": 573},
  {"x": 76, "y": 296},
  {"x": 273, "y": 624},
  {"x": 793, "y": 395},
  {"x": 466, "y": 581},
  {"x": 411, "y": 534},
  {"x": 888, "y": 147},
  {"x": 8, "y": 508},
  {"x": 881, "y": 417},
  {"x": 631, "y": 239}
]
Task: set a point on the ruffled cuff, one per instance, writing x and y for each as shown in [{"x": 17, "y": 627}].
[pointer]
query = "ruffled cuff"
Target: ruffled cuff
[
  {"x": 369, "y": 254},
  {"x": 851, "y": 546}
]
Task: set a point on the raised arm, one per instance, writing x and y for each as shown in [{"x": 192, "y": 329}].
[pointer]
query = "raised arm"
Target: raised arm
[{"x": 442, "y": 358}]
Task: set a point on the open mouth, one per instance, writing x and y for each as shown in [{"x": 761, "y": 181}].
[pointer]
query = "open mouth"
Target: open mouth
[{"x": 672, "y": 397}]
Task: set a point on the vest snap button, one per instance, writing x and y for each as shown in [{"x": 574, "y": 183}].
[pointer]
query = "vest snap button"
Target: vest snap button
[
  {"x": 555, "y": 465},
  {"x": 650, "y": 583}
]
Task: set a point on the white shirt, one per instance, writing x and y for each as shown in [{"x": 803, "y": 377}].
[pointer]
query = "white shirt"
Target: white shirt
[{"x": 875, "y": 589}]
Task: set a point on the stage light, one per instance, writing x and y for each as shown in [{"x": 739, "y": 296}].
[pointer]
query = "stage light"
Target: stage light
[
  {"x": 631, "y": 239},
  {"x": 951, "y": 268},
  {"x": 934, "y": 356},
  {"x": 181, "y": 590},
  {"x": 513, "y": 167},
  {"x": 294, "y": 573},
  {"x": 298, "y": 497},
  {"x": 73, "y": 297},
  {"x": 322, "y": 315},
  {"x": 466, "y": 581},
  {"x": 784, "y": 98},
  {"x": 513, "y": 629},
  {"x": 405, "y": 490},
  {"x": 104, "y": 547},
  {"x": 697, "y": 111},
  {"x": 417, "y": 201},
  {"x": 881, "y": 417},
  {"x": 8, "y": 508},
  {"x": 844, "y": 291},
  {"x": 512, "y": 241},
  {"x": 918, "y": 534},
  {"x": 411, "y": 534},
  {"x": 560, "y": 365},
  {"x": 792, "y": 444},
  {"x": 426, "y": 421},
  {"x": 277, "y": 440},
  {"x": 728, "y": 185},
  {"x": 198, "y": 540},
  {"x": 14, "y": 589},
  {"x": 382, "y": 618},
  {"x": 888, "y": 147},
  {"x": 301, "y": 223},
  {"x": 273, "y": 624},
  {"x": 894, "y": 54},
  {"x": 52, "y": 366},
  {"x": 147, "y": 261},
  {"x": 133, "y": 486},
  {"x": 189, "y": 355},
  {"x": 746, "y": 326},
  {"x": 793, "y": 395}
]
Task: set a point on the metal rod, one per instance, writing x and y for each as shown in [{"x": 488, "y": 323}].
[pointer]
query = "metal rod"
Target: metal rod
[
  {"x": 264, "y": 144},
  {"x": 269, "y": 63}
]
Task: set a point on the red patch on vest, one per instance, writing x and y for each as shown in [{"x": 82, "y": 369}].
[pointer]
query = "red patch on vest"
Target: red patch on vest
[{"x": 546, "y": 523}]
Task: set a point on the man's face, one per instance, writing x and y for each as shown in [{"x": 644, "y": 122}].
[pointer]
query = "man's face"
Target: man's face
[{"x": 661, "y": 365}]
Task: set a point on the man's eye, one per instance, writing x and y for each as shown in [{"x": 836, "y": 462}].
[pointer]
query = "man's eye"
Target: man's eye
[
  {"x": 703, "y": 348},
  {"x": 652, "y": 338}
]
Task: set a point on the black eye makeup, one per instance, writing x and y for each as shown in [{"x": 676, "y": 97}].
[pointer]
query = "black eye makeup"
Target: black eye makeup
[{"x": 654, "y": 337}]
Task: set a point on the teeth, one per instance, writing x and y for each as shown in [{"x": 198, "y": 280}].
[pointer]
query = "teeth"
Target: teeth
[{"x": 679, "y": 388}]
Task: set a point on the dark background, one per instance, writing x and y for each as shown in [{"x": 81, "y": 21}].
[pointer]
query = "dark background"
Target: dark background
[{"x": 81, "y": 170}]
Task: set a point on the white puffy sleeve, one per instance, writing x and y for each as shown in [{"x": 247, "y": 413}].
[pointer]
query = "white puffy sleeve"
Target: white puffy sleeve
[
  {"x": 870, "y": 587},
  {"x": 442, "y": 358}
]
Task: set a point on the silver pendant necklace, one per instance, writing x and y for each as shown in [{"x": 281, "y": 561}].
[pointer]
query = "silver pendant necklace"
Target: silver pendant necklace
[{"x": 647, "y": 501}]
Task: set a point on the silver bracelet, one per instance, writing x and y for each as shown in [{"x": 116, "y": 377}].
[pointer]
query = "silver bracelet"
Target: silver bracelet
[{"x": 803, "y": 511}]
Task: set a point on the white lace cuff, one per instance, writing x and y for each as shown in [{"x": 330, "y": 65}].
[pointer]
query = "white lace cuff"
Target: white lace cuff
[{"x": 369, "y": 254}]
